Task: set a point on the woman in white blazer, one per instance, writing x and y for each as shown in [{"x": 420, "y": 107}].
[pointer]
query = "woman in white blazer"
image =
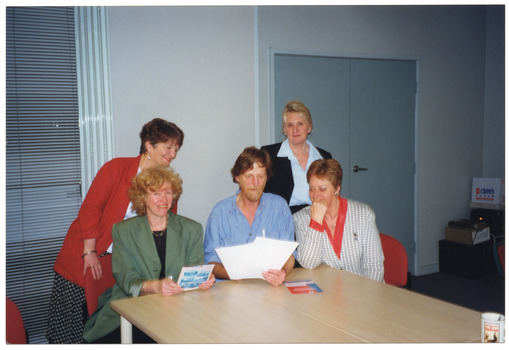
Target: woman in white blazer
[{"x": 336, "y": 231}]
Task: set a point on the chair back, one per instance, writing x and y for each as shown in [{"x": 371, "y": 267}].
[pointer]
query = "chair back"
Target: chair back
[
  {"x": 93, "y": 288},
  {"x": 15, "y": 328},
  {"x": 501, "y": 255},
  {"x": 499, "y": 252},
  {"x": 396, "y": 261}
]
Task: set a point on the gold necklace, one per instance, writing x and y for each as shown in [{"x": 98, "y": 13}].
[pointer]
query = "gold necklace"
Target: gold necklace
[{"x": 159, "y": 233}]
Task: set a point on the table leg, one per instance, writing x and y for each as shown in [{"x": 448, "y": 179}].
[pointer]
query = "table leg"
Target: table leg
[{"x": 126, "y": 331}]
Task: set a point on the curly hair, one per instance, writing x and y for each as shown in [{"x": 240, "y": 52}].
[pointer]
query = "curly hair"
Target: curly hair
[
  {"x": 160, "y": 131},
  {"x": 246, "y": 160},
  {"x": 152, "y": 179}
]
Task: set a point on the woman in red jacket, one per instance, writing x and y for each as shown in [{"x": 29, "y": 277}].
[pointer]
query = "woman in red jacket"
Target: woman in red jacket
[{"x": 89, "y": 236}]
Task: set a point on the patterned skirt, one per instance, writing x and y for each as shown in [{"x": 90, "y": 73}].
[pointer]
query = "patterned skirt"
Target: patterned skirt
[{"x": 67, "y": 313}]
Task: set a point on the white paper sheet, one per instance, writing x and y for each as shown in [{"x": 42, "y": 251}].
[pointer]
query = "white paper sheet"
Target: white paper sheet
[{"x": 250, "y": 260}]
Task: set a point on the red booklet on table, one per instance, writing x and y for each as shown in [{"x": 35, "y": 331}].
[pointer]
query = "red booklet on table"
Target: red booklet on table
[{"x": 303, "y": 287}]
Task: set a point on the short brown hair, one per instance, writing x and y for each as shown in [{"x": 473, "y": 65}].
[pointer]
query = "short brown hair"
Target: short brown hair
[
  {"x": 246, "y": 160},
  {"x": 152, "y": 179},
  {"x": 160, "y": 131},
  {"x": 328, "y": 169}
]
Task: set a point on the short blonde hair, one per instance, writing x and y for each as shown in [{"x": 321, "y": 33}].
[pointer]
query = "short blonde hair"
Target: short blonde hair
[
  {"x": 301, "y": 109},
  {"x": 152, "y": 179}
]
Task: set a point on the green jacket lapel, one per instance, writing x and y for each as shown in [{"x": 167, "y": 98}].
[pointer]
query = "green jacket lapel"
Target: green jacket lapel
[
  {"x": 142, "y": 235},
  {"x": 174, "y": 241}
]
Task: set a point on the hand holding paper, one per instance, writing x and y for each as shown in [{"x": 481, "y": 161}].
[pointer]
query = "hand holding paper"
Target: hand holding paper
[
  {"x": 250, "y": 260},
  {"x": 191, "y": 277},
  {"x": 274, "y": 277},
  {"x": 169, "y": 287}
]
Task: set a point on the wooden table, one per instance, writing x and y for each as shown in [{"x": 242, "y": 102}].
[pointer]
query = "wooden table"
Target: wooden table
[{"x": 351, "y": 309}]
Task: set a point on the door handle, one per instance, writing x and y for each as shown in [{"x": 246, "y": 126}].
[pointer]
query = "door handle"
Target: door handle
[{"x": 356, "y": 169}]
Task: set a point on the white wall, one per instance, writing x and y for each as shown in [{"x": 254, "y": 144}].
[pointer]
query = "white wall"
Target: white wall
[
  {"x": 196, "y": 66},
  {"x": 192, "y": 66}
]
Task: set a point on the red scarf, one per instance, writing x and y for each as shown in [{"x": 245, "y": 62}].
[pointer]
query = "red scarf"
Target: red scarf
[{"x": 337, "y": 239}]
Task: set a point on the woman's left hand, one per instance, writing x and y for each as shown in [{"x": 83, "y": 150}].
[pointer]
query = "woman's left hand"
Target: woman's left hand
[
  {"x": 274, "y": 277},
  {"x": 209, "y": 283}
]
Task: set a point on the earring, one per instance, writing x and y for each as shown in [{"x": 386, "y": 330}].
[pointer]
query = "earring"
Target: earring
[
  {"x": 336, "y": 194},
  {"x": 149, "y": 158}
]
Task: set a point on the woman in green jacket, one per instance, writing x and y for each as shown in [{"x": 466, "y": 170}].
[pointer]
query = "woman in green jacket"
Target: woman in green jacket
[{"x": 156, "y": 232}]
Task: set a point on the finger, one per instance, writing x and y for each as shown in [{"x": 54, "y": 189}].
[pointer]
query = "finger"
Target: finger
[
  {"x": 274, "y": 282},
  {"x": 92, "y": 270},
  {"x": 166, "y": 286},
  {"x": 207, "y": 284},
  {"x": 99, "y": 271},
  {"x": 270, "y": 277},
  {"x": 274, "y": 274},
  {"x": 166, "y": 290},
  {"x": 174, "y": 287},
  {"x": 176, "y": 290}
]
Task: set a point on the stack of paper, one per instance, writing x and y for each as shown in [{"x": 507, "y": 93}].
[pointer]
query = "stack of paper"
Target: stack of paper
[{"x": 250, "y": 260}]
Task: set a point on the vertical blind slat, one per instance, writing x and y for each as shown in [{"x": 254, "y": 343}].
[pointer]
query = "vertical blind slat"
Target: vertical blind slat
[{"x": 43, "y": 153}]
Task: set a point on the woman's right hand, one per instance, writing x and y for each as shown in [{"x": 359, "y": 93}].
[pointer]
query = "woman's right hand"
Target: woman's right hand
[
  {"x": 318, "y": 210},
  {"x": 170, "y": 287}
]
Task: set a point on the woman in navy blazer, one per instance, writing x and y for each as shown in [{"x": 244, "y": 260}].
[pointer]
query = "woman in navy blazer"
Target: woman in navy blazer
[
  {"x": 148, "y": 250},
  {"x": 291, "y": 158}
]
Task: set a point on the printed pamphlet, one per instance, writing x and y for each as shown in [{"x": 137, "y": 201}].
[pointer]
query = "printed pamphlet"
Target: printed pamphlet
[{"x": 192, "y": 276}]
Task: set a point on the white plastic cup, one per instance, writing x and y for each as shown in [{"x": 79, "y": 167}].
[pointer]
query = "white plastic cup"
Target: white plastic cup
[{"x": 493, "y": 327}]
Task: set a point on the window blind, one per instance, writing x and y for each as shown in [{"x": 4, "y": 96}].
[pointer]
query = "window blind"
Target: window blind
[{"x": 42, "y": 154}]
